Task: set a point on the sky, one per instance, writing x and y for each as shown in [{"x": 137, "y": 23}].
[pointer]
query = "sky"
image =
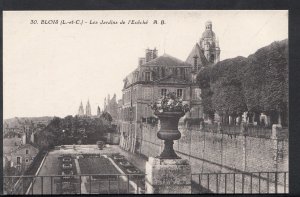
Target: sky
[{"x": 48, "y": 69}]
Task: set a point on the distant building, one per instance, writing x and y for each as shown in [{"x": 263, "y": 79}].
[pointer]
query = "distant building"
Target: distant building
[
  {"x": 119, "y": 110},
  {"x": 111, "y": 106},
  {"x": 80, "y": 111},
  {"x": 88, "y": 111},
  {"x": 98, "y": 111},
  {"x": 17, "y": 153},
  {"x": 22, "y": 157},
  {"x": 206, "y": 51}
]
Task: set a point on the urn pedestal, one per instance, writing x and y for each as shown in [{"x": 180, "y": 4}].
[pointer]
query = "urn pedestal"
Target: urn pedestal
[
  {"x": 168, "y": 173},
  {"x": 168, "y": 176}
]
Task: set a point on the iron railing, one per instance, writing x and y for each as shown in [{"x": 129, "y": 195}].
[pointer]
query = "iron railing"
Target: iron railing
[
  {"x": 239, "y": 183},
  {"x": 222, "y": 183},
  {"x": 75, "y": 184}
]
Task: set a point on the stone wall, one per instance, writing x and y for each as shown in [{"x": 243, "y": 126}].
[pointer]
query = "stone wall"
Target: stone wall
[{"x": 215, "y": 152}]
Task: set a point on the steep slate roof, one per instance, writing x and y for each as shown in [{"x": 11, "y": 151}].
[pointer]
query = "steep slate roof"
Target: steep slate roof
[
  {"x": 167, "y": 60},
  {"x": 128, "y": 79},
  {"x": 164, "y": 60},
  {"x": 25, "y": 146},
  {"x": 201, "y": 58}
]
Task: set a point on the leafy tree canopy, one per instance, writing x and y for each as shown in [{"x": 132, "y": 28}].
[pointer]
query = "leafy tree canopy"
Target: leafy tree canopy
[{"x": 258, "y": 83}]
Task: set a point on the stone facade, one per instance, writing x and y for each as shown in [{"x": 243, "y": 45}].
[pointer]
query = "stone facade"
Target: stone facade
[{"x": 154, "y": 77}]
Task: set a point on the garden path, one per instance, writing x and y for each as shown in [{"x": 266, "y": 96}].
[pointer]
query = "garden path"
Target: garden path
[{"x": 83, "y": 179}]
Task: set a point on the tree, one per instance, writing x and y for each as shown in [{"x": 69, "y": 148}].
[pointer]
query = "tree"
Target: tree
[
  {"x": 71, "y": 130},
  {"x": 265, "y": 81},
  {"x": 221, "y": 88},
  {"x": 255, "y": 84},
  {"x": 106, "y": 116},
  {"x": 203, "y": 79}
]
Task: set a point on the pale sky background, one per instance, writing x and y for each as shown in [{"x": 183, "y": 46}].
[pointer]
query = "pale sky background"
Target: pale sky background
[{"x": 49, "y": 69}]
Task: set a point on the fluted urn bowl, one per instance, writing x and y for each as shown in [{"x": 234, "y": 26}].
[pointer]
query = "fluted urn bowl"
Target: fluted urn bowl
[{"x": 169, "y": 132}]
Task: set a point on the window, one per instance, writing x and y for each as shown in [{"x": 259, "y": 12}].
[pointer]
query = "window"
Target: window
[
  {"x": 134, "y": 95},
  {"x": 163, "y": 92},
  {"x": 26, "y": 160},
  {"x": 27, "y": 151},
  {"x": 18, "y": 160},
  {"x": 133, "y": 113},
  {"x": 175, "y": 71},
  {"x": 163, "y": 72},
  {"x": 182, "y": 72},
  {"x": 195, "y": 62},
  {"x": 179, "y": 92},
  {"x": 147, "y": 76},
  {"x": 212, "y": 58},
  {"x": 147, "y": 93}
]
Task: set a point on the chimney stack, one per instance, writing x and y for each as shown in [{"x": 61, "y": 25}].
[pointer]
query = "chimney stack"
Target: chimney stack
[
  {"x": 142, "y": 61},
  {"x": 151, "y": 54}
]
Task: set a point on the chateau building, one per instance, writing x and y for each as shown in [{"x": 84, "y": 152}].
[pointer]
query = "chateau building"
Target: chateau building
[{"x": 155, "y": 76}]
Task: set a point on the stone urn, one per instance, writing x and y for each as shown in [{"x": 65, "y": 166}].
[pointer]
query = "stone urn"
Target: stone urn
[{"x": 169, "y": 132}]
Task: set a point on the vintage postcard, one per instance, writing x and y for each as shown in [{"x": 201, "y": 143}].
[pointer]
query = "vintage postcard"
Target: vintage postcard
[{"x": 145, "y": 102}]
